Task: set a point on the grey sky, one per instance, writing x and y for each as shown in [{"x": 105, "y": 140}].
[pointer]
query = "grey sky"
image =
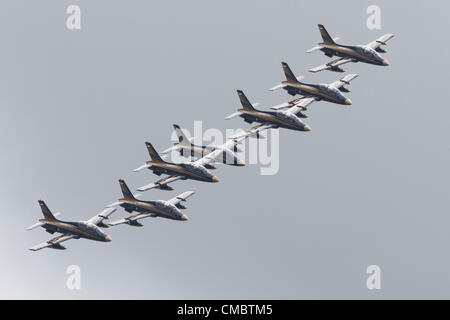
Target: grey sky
[{"x": 368, "y": 185}]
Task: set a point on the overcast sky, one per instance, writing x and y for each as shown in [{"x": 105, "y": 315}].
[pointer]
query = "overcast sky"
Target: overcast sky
[{"x": 368, "y": 185}]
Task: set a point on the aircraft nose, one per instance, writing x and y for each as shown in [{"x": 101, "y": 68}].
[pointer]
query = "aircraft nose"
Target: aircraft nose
[
  {"x": 385, "y": 62},
  {"x": 348, "y": 101},
  {"x": 184, "y": 217},
  {"x": 307, "y": 128},
  {"x": 215, "y": 179},
  {"x": 240, "y": 163},
  {"x": 108, "y": 238}
]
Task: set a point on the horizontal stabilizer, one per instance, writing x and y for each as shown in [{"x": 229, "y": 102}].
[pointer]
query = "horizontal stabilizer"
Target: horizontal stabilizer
[
  {"x": 278, "y": 86},
  {"x": 233, "y": 115},
  {"x": 118, "y": 203},
  {"x": 314, "y": 49},
  {"x": 144, "y": 166},
  {"x": 39, "y": 224},
  {"x": 172, "y": 148}
]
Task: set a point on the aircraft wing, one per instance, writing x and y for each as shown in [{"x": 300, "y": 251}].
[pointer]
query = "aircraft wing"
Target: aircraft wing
[
  {"x": 255, "y": 132},
  {"x": 132, "y": 220},
  {"x": 160, "y": 184},
  {"x": 232, "y": 142},
  {"x": 301, "y": 105},
  {"x": 343, "y": 81},
  {"x": 380, "y": 41},
  {"x": 53, "y": 243},
  {"x": 332, "y": 65},
  {"x": 252, "y": 132},
  {"x": 181, "y": 197},
  {"x": 282, "y": 105},
  {"x": 210, "y": 157},
  {"x": 98, "y": 218}
]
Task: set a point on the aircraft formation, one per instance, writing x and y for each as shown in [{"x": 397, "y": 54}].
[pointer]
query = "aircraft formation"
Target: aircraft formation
[{"x": 286, "y": 115}]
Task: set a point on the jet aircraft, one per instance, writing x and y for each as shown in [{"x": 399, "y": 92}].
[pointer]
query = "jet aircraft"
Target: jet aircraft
[
  {"x": 369, "y": 53},
  {"x": 285, "y": 119},
  {"x": 176, "y": 171},
  {"x": 220, "y": 154},
  {"x": 71, "y": 230},
  {"x": 157, "y": 208},
  {"x": 327, "y": 92},
  {"x": 186, "y": 148}
]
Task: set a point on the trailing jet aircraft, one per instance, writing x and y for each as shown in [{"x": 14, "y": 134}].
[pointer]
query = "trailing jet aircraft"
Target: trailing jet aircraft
[
  {"x": 71, "y": 230},
  {"x": 285, "y": 119},
  {"x": 176, "y": 171},
  {"x": 328, "y": 92},
  {"x": 158, "y": 208},
  {"x": 369, "y": 53},
  {"x": 187, "y": 149}
]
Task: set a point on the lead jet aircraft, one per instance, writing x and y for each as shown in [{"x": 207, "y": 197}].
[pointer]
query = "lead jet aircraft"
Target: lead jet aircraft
[
  {"x": 288, "y": 119},
  {"x": 327, "y": 92},
  {"x": 188, "y": 149},
  {"x": 158, "y": 208},
  {"x": 71, "y": 230},
  {"x": 369, "y": 53},
  {"x": 176, "y": 171}
]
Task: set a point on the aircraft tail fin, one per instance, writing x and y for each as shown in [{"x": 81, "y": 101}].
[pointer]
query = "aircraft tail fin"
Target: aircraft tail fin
[
  {"x": 154, "y": 156},
  {"x": 288, "y": 73},
  {"x": 125, "y": 190},
  {"x": 181, "y": 136},
  {"x": 325, "y": 35},
  {"x": 246, "y": 105},
  {"x": 48, "y": 215}
]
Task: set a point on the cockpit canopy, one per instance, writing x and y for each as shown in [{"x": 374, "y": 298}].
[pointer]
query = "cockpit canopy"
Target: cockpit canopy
[
  {"x": 166, "y": 206},
  {"x": 332, "y": 91},
  {"x": 367, "y": 51},
  {"x": 290, "y": 118},
  {"x": 198, "y": 169},
  {"x": 91, "y": 228}
]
